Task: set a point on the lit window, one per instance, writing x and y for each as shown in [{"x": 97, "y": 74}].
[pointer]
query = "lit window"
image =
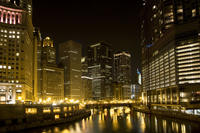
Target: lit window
[
  {"x": 17, "y": 54},
  {"x": 193, "y": 12},
  {"x": 18, "y": 91}
]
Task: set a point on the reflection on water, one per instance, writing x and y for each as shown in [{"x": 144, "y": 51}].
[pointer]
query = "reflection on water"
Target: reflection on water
[{"x": 122, "y": 120}]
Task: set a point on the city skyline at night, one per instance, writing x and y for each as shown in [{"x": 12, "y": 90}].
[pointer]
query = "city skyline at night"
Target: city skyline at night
[
  {"x": 89, "y": 22},
  {"x": 97, "y": 66}
]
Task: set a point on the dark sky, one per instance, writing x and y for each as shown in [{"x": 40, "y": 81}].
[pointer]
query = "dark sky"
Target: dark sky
[{"x": 90, "y": 21}]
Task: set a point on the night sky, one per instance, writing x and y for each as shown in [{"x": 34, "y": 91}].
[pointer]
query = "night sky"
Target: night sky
[{"x": 90, "y": 21}]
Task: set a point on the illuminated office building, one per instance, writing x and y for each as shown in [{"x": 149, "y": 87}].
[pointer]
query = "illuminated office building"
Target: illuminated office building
[
  {"x": 70, "y": 58},
  {"x": 170, "y": 39},
  {"x": 100, "y": 61},
  {"x": 16, "y": 51},
  {"x": 86, "y": 92},
  {"x": 52, "y": 85},
  {"x": 122, "y": 72},
  {"x": 117, "y": 91},
  {"x": 37, "y": 41}
]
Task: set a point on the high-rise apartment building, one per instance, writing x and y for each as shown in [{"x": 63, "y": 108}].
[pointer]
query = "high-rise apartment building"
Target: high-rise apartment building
[
  {"x": 100, "y": 61},
  {"x": 170, "y": 39},
  {"x": 52, "y": 85},
  {"x": 70, "y": 58},
  {"x": 122, "y": 72},
  {"x": 16, "y": 51}
]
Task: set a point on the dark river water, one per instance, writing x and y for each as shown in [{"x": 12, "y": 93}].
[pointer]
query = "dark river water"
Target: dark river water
[{"x": 122, "y": 120}]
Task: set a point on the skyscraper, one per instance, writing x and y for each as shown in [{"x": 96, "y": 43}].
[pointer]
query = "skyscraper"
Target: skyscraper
[
  {"x": 170, "y": 51},
  {"x": 37, "y": 41},
  {"x": 16, "y": 51},
  {"x": 52, "y": 86},
  {"x": 100, "y": 61},
  {"x": 122, "y": 72},
  {"x": 86, "y": 92},
  {"x": 70, "y": 58}
]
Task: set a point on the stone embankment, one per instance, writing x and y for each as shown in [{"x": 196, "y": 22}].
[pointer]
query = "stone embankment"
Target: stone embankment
[{"x": 168, "y": 113}]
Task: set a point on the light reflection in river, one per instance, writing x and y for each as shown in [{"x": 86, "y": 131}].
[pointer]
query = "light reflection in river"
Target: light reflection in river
[{"x": 122, "y": 120}]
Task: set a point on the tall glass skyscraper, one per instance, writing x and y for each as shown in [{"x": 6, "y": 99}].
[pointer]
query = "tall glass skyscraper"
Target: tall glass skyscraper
[{"x": 170, "y": 39}]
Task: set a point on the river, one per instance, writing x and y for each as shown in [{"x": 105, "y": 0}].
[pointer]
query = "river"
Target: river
[{"x": 122, "y": 120}]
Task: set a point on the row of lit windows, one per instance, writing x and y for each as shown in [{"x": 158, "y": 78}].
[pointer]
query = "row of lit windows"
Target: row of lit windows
[
  {"x": 189, "y": 65},
  {"x": 188, "y": 53},
  {"x": 11, "y": 31},
  {"x": 189, "y": 77},
  {"x": 189, "y": 81},
  {"x": 188, "y": 61},
  {"x": 188, "y": 45},
  {"x": 188, "y": 49},
  {"x": 189, "y": 69},
  {"x": 4, "y": 67},
  {"x": 193, "y": 72},
  {"x": 188, "y": 57}
]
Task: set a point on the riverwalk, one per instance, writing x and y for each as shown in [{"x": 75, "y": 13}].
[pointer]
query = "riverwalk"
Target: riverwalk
[{"x": 20, "y": 117}]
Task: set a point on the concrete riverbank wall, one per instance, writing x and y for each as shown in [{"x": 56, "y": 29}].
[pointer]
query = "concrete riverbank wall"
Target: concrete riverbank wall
[
  {"x": 169, "y": 113},
  {"x": 20, "y": 117}
]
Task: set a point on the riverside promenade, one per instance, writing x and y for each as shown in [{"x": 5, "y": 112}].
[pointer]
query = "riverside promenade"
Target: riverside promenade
[
  {"x": 20, "y": 117},
  {"x": 176, "y": 114}
]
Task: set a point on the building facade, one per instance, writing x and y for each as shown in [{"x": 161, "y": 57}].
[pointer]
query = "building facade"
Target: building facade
[
  {"x": 100, "y": 61},
  {"x": 117, "y": 91},
  {"x": 38, "y": 64},
  {"x": 86, "y": 80},
  {"x": 52, "y": 85},
  {"x": 170, "y": 42},
  {"x": 70, "y": 57},
  {"x": 16, "y": 51},
  {"x": 122, "y": 72}
]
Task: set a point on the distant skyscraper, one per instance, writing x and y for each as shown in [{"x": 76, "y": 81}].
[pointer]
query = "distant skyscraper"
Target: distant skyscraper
[
  {"x": 122, "y": 72},
  {"x": 52, "y": 86},
  {"x": 16, "y": 51},
  {"x": 117, "y": 91},
  {"x": 100, "y": 59},
  {"x": 170, "y": 42},
  {"x": 48, "y": 51},
  {"x": 139, "y": 76},
  {"x": 70, "y": 57},
  {"x": 37, "y": 64},
  {"x": 86, "y": 92}
]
